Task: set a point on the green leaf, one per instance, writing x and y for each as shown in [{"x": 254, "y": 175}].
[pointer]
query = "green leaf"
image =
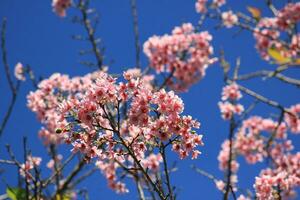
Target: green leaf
[{"x": 16, "y": 193}]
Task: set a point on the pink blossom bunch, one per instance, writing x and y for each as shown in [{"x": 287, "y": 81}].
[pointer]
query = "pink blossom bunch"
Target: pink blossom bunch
[
  {"x": 202, "y": 5},
  {"x": 31, "y": 163},
  {"x": 251, "y": 142},
  {"x": 47, "y": 101},
  {"x": 288, "y": 16},
  {"x": 231, "y": 92},
  {"x": 223, "y": 158},
  {"x": 229, "y": 106},
  {"x": 60, "y": 6},
  {"x": 20, "y": 72},
  {"x": 281, "y": 180},
  {"x": 270, "y": 32},
  {"x": 293, "y": 119},
  {"x": 229, "y": 19},
  {"x": 88, "y": 112},
  {"x": 56, "y": 160},
  {"x": 185, "y": 55}
]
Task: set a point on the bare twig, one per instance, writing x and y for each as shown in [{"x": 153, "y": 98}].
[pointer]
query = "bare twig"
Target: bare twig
[
  {"x": 267, "y": 74},
  {"x": 163, "y": 153},
  {"x": 14, "y": 88},
  {"x": 136, "y": 33},
  {"x": 91, "y": 32},
  {"x": 4, "y": 57}
]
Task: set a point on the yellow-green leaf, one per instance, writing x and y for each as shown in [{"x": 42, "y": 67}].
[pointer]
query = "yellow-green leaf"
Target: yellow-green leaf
[
  {"x": 255, "y": 12},
  {"x": 278, "y": 57},
  {"x": 16, "y": 193},
  {"x": 63, "y": 197}
]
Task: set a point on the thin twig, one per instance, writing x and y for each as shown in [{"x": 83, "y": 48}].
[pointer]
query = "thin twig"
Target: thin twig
[
  {"x": 91, "y": 32},
  {"x": 267, "y": 74},
  {"x": 14, "y": 88},
  {"x": 136, "y": 33}
]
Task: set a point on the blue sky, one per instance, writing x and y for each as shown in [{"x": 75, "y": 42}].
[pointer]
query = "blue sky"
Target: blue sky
[{"x": 36, "y": 36}]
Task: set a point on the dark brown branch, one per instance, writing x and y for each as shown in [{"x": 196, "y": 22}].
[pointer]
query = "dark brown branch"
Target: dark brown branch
[
  {"x": 14, "y": 88},
  {"x": 229, "y": 168},
  {"x": 131, "y": 152},
  {"x": 163, "y": 153},
  {"x": 4, "y": 58},
  {"x": 136, "y": 33},
  {"x": 91, "y": 32},
  {"x": 71, "y": 176}
]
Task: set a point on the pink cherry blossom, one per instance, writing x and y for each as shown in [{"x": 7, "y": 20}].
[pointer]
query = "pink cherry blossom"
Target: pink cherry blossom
[
  {"x": 20, "y": 72},
  {"x": 60, "y": 6},
  {"x": 229, "y": 19},
  {"x": 201, "y": 6},
  {"x": 292, "y": 119},
  {"x": 184, "y": 55}
]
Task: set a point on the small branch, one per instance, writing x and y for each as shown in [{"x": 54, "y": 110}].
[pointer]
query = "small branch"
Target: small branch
[
  {"x": 167, "y": 79},
  {"x": 204, "y": 173},
  {"x": 71, "y": 176},
  {"x": 271, "y": 7},
  {"x": 136, "y": 33},
  {"x": 14, "y": 88},
  {"x": 267, "y": 74},
  {"x": 163, "y": 152},
  {"x": 229, "y": 169},
  {"x": 260, "y": 97},
  {"x": 9, "y": 162},
  {"x": 91, "y": 32},
  {"x": 4, "y": 57},
  {"x": 84, "y": 176}
]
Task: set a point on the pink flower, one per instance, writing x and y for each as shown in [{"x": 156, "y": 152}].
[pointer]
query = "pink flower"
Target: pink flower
[
  {"x": 219, "y": 3},
  {"x": 228, "y": 109},
  {"x": 220, "y": 185},
  {"x": 201, "y": 6},
  {"x": 60, "y": 6},
  {"x": 20, "y": 72},
  {"x": 30, "y": 163},
  {"x": 231, "y": 92},
  {"x": 292, "y": 119},
  {"x": 184, "y": 55},
  {"x": 152, "y": 162},
  {"x": 229, "y": 19}
]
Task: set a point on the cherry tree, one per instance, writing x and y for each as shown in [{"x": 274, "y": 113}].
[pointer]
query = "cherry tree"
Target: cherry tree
[{"x": 126, "y": 125}]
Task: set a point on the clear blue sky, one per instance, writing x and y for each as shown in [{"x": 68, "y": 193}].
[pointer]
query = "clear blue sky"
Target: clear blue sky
[{"x": 36, "y": 36}]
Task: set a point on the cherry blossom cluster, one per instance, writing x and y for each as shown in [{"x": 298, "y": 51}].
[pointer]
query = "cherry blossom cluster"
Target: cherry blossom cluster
[
  {"x": 48, "y": 98},
  {"x": 60, "y": 6},
  {"x": 185, "y": 55},
  {"x": 114, "y": 123},
  {"x": 229, "y": 106},
  {"x": 223, "y": 159},
  {"x": 229, "y": 19},
  {"x": 202, "y": 5},
  {"x": 281, "y": 180},
  {"x": 269, "y": 33},
  {"x": 259, "y": 139},
  {"x": 293, "y": 118},
  {"x": 31, "y": 163},
  {"x": 252, "y": 139}
]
